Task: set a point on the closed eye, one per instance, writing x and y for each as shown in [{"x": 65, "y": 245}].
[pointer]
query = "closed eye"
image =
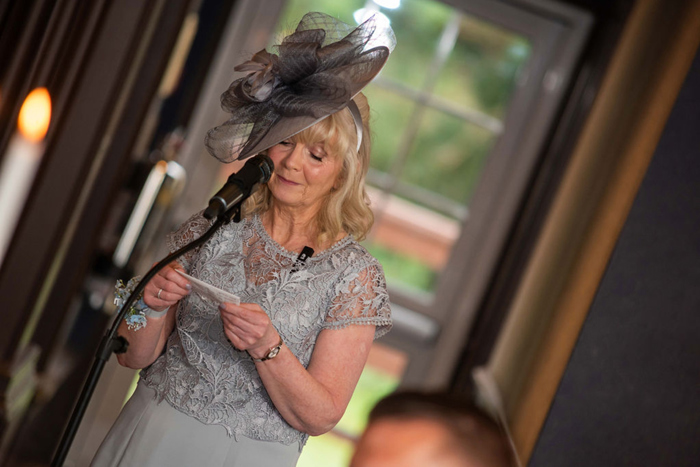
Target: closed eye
[{"x": 317, "y": 152}]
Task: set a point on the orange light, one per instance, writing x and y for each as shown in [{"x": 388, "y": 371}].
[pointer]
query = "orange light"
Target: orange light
[{"x": 35, "y": 115}]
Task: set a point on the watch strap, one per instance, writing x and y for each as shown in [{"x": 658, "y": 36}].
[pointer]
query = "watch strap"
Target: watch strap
[{"x": 272, "y": 353}]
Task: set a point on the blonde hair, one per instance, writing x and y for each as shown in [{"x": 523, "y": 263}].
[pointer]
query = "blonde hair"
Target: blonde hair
[{"x": 347, "y": 206}]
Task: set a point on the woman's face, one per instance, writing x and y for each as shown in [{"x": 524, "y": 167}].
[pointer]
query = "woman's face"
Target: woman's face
[{"x": 304, "y": 174}]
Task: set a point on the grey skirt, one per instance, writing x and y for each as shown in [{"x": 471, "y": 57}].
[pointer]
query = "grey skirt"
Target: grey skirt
[{"x": 152, "y": 434}]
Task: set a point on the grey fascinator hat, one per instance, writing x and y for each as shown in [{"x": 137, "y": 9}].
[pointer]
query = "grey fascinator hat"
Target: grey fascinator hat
[{"x": 316, "y": 72}]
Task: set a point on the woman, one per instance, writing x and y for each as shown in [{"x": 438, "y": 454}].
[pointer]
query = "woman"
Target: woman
[{"x": 245, "y": 385}]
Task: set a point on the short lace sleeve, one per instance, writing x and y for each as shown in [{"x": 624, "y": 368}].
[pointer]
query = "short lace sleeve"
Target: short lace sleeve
[
  {"x": 190, "y": 230},
  {"x": 361, "y": 298}
]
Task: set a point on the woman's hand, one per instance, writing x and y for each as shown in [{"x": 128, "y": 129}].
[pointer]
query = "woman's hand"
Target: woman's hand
[
  {"x": 248, "y": 327},
  {"x": 167, "y": 288}
]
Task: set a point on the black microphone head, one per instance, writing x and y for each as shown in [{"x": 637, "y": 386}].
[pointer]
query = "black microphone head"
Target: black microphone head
[
  {"x": 240, "y": 184},
  {"x": 257, "y": 169},
  {"x": 265, "y": 164}
]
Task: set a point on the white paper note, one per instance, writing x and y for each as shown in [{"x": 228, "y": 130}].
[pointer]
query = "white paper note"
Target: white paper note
[{"x": 210, "y": 292}]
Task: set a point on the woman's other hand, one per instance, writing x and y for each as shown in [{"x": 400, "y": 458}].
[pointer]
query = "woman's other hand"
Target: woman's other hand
[
  {"x": 248, "y": 327},
  {"x": 167, "y": 288}
]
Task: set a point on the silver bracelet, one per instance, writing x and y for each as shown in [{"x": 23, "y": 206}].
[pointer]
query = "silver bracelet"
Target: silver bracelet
[{"x": 151, "y": 313}]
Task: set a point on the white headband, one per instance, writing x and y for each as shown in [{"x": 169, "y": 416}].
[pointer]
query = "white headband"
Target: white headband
[{"x": 358, "y": 121}]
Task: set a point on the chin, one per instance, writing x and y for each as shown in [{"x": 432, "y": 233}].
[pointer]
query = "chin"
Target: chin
[{"x": 284, "y": 197}]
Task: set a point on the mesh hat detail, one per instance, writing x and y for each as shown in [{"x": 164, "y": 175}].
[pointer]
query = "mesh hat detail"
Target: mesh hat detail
[{"x": 317, "y": 71}]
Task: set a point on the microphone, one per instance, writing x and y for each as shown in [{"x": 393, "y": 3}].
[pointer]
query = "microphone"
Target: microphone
[{"x": 239, "y": 185}]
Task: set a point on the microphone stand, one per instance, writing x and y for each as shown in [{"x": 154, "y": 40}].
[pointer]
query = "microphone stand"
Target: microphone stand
[{"x": 112, "y": 342}]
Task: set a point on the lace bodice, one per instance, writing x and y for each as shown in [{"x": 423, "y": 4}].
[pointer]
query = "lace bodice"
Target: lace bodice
[{"x": 202, "y": 375}]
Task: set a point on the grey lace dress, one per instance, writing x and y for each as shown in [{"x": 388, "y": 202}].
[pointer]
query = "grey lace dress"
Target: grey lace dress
[{"x": 202, "y": 400}]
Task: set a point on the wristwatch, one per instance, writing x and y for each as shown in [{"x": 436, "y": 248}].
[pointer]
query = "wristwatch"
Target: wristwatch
[{"x": 272, "y": 353}]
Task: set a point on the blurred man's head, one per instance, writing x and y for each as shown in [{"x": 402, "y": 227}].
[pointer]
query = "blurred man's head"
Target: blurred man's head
[{"x": 414, "y": 429}]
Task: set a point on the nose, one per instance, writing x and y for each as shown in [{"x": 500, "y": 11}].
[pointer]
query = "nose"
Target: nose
[{"x": 293, "y": 159}]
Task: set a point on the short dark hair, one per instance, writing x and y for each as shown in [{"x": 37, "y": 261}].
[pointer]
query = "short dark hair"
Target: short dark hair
[{"x": 473, "y": 431}]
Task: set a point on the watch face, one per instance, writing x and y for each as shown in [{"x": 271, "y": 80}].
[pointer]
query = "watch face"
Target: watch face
[{"x": 273, "y": 353}]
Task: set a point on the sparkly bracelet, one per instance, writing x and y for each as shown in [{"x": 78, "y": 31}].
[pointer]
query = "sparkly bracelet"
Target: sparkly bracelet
[{"x": 136, "y": 316}]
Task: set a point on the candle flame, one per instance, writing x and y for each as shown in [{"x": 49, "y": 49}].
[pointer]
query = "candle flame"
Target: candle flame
[{"x": 35, "y": 115}]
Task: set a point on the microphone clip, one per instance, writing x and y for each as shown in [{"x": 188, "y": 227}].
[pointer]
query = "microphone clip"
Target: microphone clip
[{"x": 233, "y": 214}]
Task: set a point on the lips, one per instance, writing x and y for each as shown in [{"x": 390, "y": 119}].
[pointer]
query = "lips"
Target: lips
[{"x": 285, "y": 181}]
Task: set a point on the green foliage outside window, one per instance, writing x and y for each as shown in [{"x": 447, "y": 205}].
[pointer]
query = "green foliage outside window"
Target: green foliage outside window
[
  {"x": 418, "y": 25},
  {"x": 390, "y": 114},
  {"x": 447, "y": 156},
  {"x": 404, "y": 270},
  {"x": 482, "y": 69}
]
